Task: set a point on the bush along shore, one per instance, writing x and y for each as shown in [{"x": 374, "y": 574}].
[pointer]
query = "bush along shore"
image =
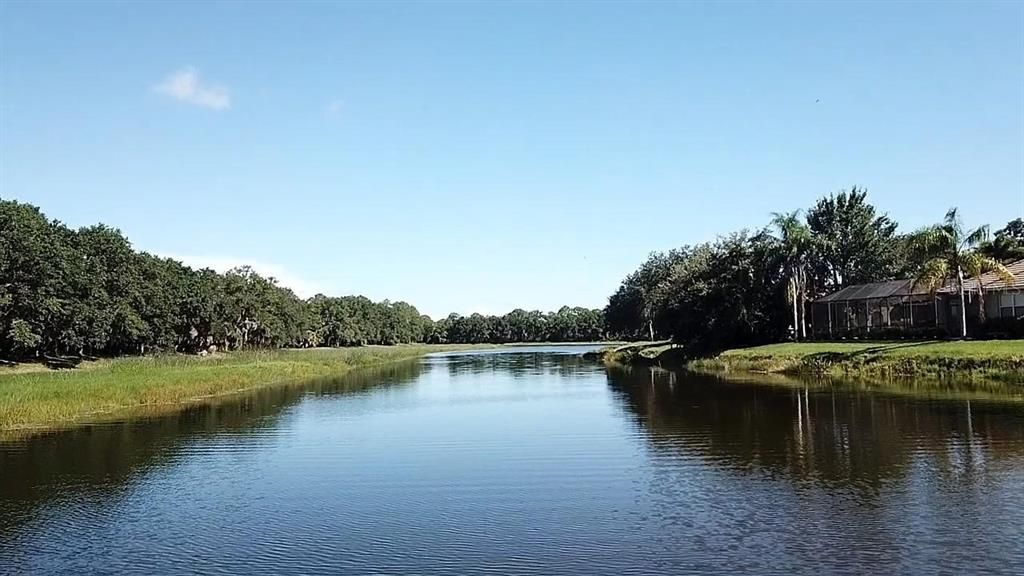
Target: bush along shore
[
  {"x": 35, "y": 400},
  {"x": 997, "y": 360}
]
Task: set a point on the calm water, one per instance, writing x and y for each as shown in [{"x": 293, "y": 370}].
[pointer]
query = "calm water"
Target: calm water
[{"x": 526, "y": 462}]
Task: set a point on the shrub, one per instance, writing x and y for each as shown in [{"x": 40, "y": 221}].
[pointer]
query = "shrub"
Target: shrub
[{"x": 1002, "y": 329}]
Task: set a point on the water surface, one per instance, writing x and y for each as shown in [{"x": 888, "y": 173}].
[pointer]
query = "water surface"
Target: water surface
[{"x": 528, "y": 461}]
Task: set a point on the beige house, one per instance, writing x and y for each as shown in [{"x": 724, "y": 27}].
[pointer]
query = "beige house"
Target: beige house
[{"x": 1002, "y": 300}]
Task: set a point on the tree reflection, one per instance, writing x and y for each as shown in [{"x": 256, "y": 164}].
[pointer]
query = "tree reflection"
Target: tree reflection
[
  {"x": 806, "y": 432},
  {"x": 520, "y": 364}
]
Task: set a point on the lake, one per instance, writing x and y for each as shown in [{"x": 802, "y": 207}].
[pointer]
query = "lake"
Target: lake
[{"x": 527, "y": 460}]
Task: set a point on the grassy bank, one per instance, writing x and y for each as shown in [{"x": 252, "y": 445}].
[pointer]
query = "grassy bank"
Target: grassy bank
[
  {"x": 998, "y": 360},
  {"x": 33, "y": 398}
]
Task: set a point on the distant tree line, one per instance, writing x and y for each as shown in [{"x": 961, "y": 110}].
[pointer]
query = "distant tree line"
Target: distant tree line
[
  {"x": 565, "y": 325},
  {"x": 752, "y": 287},
  {"x": 88, "y": 292}
]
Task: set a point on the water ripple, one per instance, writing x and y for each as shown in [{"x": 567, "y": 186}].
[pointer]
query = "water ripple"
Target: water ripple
[{"x": 526, "y": 462}]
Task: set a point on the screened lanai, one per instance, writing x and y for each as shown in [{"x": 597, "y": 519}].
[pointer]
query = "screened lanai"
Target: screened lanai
[{"x": 867, "y": 309}]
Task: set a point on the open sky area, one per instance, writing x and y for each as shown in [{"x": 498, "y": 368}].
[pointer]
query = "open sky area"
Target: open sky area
[{"x": 478, "y": 157}]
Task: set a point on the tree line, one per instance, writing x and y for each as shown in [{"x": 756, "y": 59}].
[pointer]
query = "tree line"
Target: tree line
[
  {"x": 753, "y": 287},
  {"x": 566, "y": 325},
  {"x": 89, "y": 292}
]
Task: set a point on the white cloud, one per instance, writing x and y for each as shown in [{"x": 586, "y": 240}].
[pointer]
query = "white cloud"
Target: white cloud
[
  {"x": 186, "y": 86},
  {"x": 302, "y": 287}
]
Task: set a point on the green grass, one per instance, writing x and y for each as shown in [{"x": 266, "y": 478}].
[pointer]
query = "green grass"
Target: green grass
[
  {"x": 1000, "y": 360},
  {"x": 960, "y": 349},
  {"x": 36, "y": 400}
]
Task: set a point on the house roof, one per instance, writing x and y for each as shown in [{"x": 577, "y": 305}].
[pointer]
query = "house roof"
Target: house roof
[
  {"x": 992, "y": 281},
  {"x": 875, "y": 290},
  {"x": 894, "y": 288}
]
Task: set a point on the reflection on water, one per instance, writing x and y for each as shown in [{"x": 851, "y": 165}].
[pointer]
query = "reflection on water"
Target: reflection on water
[
  {"x": 528, "y": 461},
  {"x": 519, "y": 363},
  {"x": 843, "y": 479},
  {"x": 842, "y": 437}
]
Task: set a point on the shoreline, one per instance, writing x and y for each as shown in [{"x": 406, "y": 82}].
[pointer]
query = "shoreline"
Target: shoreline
[
  {"x": 34, "y": 402},
  {"x": 976, "y": 390},
  {"x": 1000, "y": 361}
]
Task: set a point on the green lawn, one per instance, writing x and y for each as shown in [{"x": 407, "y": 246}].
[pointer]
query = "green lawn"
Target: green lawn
[
  {"x": 1001, "y": 360},
  {"x": 35, "y": 399},
  {"x": 947, "y": 349}
]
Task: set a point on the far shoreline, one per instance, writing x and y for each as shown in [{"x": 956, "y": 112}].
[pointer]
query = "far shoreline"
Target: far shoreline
[
  {"x": 35, "y": 399},
  {"x": 951, "y": 362}
]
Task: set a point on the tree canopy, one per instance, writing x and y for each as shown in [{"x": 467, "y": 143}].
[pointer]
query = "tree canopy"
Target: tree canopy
[
  {"x": 852, "y": 243},
  {"x": 753, "y": 287},
  {"x": 949, "y": 253},
  {"x": 87, "y": 291},
  {"x": 1007, "y": 244}
]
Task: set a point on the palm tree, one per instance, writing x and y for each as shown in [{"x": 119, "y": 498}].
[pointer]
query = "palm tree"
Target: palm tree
[
  {"x": 796, "y": 244},
  {"x": 953, "y": 254}
]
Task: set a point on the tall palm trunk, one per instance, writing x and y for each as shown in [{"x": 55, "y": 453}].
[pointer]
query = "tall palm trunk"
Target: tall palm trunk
[
  {"x": 796, "y": 322},
  {"x": 981, "y": 303},
  {"x": 963, "y": 301},
  {"x": 803, "y": 304},
  {"x": 796, "y": 317}
]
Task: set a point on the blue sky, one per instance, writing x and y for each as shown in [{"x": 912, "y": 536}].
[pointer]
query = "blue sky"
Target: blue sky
[{"x": 481, "y": 157}]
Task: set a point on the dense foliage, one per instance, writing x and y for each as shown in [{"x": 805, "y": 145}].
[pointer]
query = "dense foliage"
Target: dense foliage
[
  {"x": 566, "y": 325},
  {"x": 87, "y": 291},
  {"x": 1008, "y": 243},
  {"x": 750, "y": 288},
  {"x": 949, "y": 254}
]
